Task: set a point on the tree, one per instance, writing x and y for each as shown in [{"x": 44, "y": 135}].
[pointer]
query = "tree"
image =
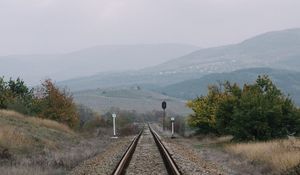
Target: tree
[
  {"x": 259, "y": 111},
  {"x": 89, "y": 118},
  {"x": 3, "y": 93},
  {"x": 264, "y": 112},
  {"x": 47, "y": 102},
  {"x": 15, "y": 95},
  {"x": 20, "y": 96},
  {"x": 204, "y": 117},
  {"x": 226, "y": 106},
  {"x": 56, "y": 104}
]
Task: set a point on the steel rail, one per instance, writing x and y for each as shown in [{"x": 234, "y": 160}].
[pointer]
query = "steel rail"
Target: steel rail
[
  {"x": 170, "y": 164},
  {"x": 124, "y": 162}
]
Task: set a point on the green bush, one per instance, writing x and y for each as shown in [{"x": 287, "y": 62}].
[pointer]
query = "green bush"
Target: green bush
[
  {"x": 257, "y": 111},
  {"x": 15, "y": 95}
]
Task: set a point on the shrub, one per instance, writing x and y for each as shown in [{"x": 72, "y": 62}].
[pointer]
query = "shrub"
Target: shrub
[
  {"x": 15, "y": 95},
  {"x": 55, "y": 104},
  {"x": 258, "y": 111},
  {"x": 87, "y": 115},
  {"x": 93, "y": 123}
]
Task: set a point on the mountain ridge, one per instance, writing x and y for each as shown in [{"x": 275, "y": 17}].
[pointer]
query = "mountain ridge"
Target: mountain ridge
[
  {"x": 89, "y": 61},
  {"x": 250, "y": 51},
  {"x": 206, "y": 61}
]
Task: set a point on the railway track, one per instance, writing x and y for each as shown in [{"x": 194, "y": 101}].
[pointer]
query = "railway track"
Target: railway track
[{"x": 147, "y": 155}]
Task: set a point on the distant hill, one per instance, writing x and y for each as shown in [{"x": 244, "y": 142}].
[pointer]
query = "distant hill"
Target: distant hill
[
  {"x": 287, "y": 81},
  {"x": 90, "y": 61},
  {"x": 107, "y": 80},
  {"x": 137, "y": 99},
  {"x": 278, "y": 50}
]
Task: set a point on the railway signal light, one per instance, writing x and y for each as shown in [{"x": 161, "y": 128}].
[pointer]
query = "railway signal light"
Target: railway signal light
[{"x": 164, "y": 106}]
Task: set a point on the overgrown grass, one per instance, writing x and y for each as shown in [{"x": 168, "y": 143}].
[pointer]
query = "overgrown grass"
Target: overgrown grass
[
  {"x": 13, "y": 138},
  {"x": 39, "y": 146},
  {"x": 22, "y": 133},
  {"x": 36, "y": 121},
  {"x": 280, "y": 155}
]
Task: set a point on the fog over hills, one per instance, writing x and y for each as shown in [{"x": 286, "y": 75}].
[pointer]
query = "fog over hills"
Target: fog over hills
[
  {"x": 279, "y": 49},
  {"x": 184, "y": 74},
  {"x": 142, "y": 100},
  {"x": 33, "y": 68},
  {"x": 287, "y": 81}
]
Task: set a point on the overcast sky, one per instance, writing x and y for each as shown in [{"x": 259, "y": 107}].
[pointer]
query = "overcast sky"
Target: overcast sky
[{"x": 54, "y": 26}]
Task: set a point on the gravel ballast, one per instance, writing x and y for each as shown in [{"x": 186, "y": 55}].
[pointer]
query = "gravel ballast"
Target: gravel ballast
[
  {"x": 146, "y": 158},
  {"x": 105, "y": 162}
]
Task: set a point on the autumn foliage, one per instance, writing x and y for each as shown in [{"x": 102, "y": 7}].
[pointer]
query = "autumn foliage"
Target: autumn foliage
[
  {"x": 47, "y": 101},
  {"x": 55, "y": 104}
]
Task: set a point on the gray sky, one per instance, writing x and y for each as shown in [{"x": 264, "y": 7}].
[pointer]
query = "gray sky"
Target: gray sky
[{"x": 54, "y": 26}]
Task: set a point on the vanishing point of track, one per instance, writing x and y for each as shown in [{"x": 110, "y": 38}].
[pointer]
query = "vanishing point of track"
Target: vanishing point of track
[{"x": 149, "y": 148}]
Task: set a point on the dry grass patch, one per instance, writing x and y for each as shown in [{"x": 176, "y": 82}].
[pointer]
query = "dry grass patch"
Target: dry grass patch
[
  {"x": 280, "y": 155},
  {"x": 37, "y": 121},
  {"x": 50, "y": 124},
  {"x": 214, "y": 140},
  {"x": 24, "y": 134},
  {"x": 36, "y": 146},
  {"x": 13, "y": 137}
]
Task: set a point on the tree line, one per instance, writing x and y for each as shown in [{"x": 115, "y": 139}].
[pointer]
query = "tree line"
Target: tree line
[
  {"x": 51, "y": 102},
  {"x": 47, "y": 101},
  {"x": 258, "y": 111}
]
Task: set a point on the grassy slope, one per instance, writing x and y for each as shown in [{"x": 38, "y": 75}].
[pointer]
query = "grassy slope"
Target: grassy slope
[
  {"x": 34, "y": 146},
  {"x": 22, "y": 134}
]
